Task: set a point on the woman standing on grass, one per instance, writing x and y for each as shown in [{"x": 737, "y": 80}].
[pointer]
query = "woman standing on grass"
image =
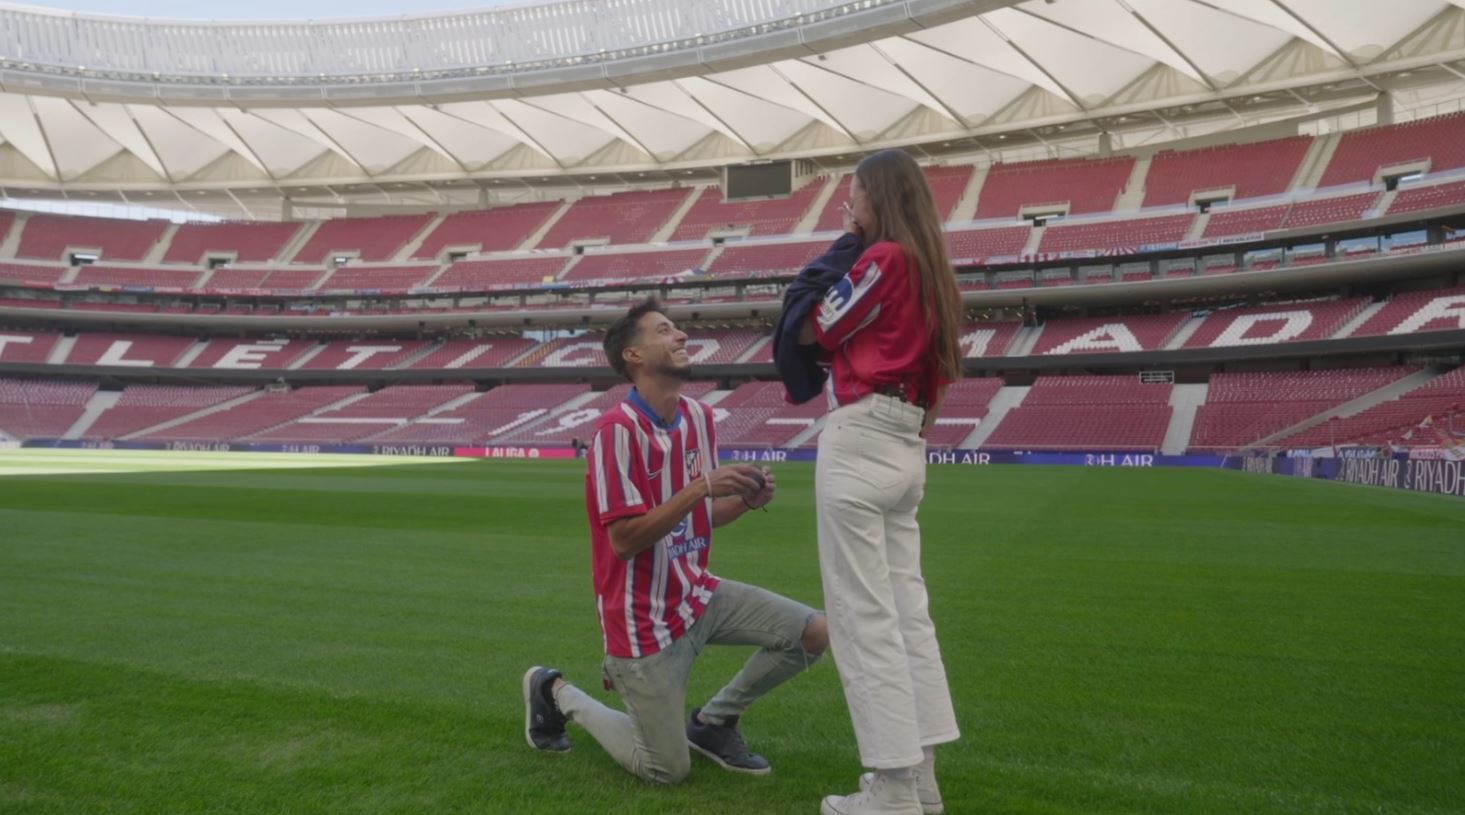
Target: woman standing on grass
[{"x": 891, "y": 331}]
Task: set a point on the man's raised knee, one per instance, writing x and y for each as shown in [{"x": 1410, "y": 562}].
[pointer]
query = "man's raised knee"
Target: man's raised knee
[{"x": 816, "y": 635}]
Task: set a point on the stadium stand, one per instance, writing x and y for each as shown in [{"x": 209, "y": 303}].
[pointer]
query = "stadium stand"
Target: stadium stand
[
  {"x": 248, "y": 241},
  {"x": 635, "y": 265},
  {"x": 1147, "y": 332},
  {"x": 372, "y": 354},
  {"x": 26, "y": 346},
  {"x": 492, "y": 230},
  {"x": 1228, "y": 222},
  {"x": 226, "y": 277},
  {"x": 1414, "y": 199},
  {"x": 1243, "y": 408},
  {"x": 1434, "y": 310},
  {"x": 48, "y": 237},
  {"x": 1253, "y": 170},
  {"x": 703, "y": 348},
  {"x": 370, "y": 239},
  {"x": 1115, "y": 236},
  {"x": 124, "y": 308},
  {"x": 31, "y": 272},
  {"x": 1330, "y": 210},
  {"x": 386, "y": 409},
  {"x": 831, "y": 219},
  {"x": 145, "y": 406},
  {"x": 377, "y": 277},
  {"x": 127, "y": 350},
  {"x": 776, "y": 216},
  {"x": 494, "y": 413},
  {"x": 41, "y": 408},
  {"x": 1396, "y": 422},
  {"x": 250, "y": 354},
  {"x": 963, "y": 408},
  {"x": 269, "y": 409},
  {"x": 493, "y": 352},
  {"x": 119, "y": 276},
  {"x": 763, "y": 355},
  {"x": 580, "y": 422},
  {"x": 970, "y": 246},
  {"x": 486, "y": 275},
  {"x": 765, "y": 259},
  {"x": 1086, "y": 185},
  {"x": 1086, "y": 413},
  {"x": 756, "y": 415},
  {"x": 566, "y": 352},
  {"x": 1361, "y": 153},
  {"x": 621, "y": 218},
  {"x": 988, "y": 339},
  {"x": 1297, "y": 322},
  {"x": 947, "y": 184}
]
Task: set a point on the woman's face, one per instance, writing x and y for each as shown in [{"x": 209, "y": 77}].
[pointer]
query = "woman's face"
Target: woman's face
[{"x": 860, "y": 205}]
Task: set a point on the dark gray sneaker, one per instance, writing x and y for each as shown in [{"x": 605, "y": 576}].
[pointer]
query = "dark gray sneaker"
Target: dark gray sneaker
[
  {"x": 544, "y": 724},
  {"x": 724, "y": 745}
]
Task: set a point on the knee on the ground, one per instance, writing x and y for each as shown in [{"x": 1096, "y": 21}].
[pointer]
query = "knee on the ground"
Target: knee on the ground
[
  {"x": 673, "y": 770},
  {"x": 815, "y": 640}
]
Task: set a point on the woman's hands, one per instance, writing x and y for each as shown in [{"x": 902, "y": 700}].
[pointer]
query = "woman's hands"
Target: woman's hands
[{"x": 847, "y": 220}]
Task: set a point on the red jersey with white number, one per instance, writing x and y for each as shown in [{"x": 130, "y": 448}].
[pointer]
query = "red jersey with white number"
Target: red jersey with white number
[
  {"x": 876, "y": 331},
  {"x": 636, "y": 463}
]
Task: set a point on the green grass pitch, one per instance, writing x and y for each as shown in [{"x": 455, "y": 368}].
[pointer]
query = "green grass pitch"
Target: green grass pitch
[{"x": 324, "y": 639}]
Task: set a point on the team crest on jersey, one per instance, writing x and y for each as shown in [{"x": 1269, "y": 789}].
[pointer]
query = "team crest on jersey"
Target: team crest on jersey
[
  {"x": 843, "y": 296},
  {"x": 694, "y": 464}
]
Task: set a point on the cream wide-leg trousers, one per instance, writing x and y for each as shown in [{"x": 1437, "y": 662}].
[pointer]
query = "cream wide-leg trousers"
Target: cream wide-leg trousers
[{"x": 869, "y": 479}]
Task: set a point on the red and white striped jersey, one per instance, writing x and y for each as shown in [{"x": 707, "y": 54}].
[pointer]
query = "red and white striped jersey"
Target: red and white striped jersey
[{"x": 635, "y": 463}]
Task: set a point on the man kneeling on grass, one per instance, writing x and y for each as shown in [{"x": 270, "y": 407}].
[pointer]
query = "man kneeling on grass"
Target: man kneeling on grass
[{"x": 654, "y": 493}]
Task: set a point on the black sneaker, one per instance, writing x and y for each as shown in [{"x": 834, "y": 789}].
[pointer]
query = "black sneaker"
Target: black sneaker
[
  {"x": 724, "y": 745},
  {"x": 544, "y": 724}
]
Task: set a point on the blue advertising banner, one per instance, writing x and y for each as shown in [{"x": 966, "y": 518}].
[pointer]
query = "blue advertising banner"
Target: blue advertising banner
[
  {"x": 1436, "y": 477},
  {"x": 982, "y": 458}
]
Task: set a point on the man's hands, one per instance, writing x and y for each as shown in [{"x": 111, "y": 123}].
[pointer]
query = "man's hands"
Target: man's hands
[
  {"x": 733, "y": 479},
  {"x": 764, "y": 495},
  {"x": 748, "y": 487}
]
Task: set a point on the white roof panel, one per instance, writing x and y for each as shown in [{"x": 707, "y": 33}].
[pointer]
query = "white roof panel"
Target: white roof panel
[
  {"x": 1359, "y": 27},
  {"x": 1225, "y": 46},
  {"x": 621, "y": 87}
]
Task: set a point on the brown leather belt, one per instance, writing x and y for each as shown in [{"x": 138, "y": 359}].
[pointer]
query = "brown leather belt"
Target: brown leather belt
[{"x": 898, "y": 392}]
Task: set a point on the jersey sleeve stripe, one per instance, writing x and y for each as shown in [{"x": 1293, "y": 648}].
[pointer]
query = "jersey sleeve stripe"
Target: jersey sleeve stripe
[
  {"x": 845, "y": 298},
  {"x": 623, "y": 460}
]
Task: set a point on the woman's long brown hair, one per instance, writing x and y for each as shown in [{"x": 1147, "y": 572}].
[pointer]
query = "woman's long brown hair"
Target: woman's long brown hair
[{"x": 905, "y": 212}]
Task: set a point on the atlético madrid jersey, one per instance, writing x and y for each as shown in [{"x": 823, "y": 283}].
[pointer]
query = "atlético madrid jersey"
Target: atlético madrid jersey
[
  {"x": 875, "y": 330},
  {"x": 635, "y": 463}
]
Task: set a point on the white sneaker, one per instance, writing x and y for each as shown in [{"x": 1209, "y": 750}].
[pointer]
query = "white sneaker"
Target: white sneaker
[
  {"x": 927, "y": 793},
  {"x": 883, "y": 795}
]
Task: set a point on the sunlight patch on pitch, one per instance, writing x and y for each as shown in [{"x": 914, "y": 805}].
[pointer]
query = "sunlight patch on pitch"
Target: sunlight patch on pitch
[{"x": 38, "y": 461}]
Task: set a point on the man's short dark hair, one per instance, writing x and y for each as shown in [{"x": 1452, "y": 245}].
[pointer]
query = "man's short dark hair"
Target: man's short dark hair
[{"x": 623, "y": 333}]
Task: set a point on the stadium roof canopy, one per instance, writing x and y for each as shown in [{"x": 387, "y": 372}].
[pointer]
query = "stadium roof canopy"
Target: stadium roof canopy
[{"x": 580, "y": 90}]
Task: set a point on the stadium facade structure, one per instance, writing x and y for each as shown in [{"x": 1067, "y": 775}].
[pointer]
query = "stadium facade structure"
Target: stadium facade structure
[
  {"x": 1328, "y": 285},
  {"x": 548, "y": 100}
]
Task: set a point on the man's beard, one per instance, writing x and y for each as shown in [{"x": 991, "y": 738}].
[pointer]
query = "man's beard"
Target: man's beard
[{"x": 670, "y": 369}]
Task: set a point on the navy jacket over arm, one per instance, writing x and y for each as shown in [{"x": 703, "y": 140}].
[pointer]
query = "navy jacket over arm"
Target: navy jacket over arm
[{"x": 798, "y": 365}]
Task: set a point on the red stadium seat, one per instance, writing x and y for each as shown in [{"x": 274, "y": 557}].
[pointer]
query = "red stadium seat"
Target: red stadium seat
[
  {"x": 1361, "y": 153},
  {"x": 493, "y": 230},
  {"x": 1085, "y": 185}
]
